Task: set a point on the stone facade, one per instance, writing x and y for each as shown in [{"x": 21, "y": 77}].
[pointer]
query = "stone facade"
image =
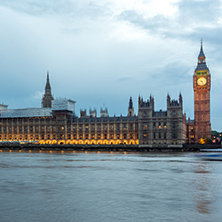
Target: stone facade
[{"x": 161, "y": 128}]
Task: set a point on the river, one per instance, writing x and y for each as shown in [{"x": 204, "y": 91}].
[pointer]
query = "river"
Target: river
[{"x": 109, "y": 187}]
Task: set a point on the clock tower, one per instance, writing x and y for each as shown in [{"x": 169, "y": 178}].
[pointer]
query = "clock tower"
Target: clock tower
[{"x": 201, "y": 86}]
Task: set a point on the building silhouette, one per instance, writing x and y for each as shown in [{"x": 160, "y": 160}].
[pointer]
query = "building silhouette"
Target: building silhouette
[{"x": 57, "y": 123}]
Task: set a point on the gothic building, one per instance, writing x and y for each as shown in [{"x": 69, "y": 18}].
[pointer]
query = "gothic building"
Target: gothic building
[
  {"x": 161, "y": 128},
  {"x": 57, "y": 123}
]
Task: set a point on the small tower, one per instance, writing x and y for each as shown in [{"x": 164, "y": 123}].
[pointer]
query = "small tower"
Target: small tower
[
  {"x": 47, "y": 97},
  {"x": 130, "y": 108}
]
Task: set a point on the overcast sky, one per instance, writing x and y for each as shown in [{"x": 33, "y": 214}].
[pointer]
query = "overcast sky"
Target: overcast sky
[{"x": 104, "y": 51}]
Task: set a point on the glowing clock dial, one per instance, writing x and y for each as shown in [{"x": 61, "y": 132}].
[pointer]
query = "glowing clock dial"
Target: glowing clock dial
[{"x": 201, "y": 81}]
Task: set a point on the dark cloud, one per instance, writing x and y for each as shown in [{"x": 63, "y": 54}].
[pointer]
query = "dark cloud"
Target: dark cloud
[
  {"x": 154, "y": 25},
  {"x": 199, "y": 12},
  {"x": 196, "y": 19},
  {"x": 73, "y": 9}
]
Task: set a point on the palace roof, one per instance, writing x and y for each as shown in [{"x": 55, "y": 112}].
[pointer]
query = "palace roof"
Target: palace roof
[{"x": 28, "y": 112}]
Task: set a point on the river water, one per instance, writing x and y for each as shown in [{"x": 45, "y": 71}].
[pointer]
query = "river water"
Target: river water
[{"x": 109, "y": 187}]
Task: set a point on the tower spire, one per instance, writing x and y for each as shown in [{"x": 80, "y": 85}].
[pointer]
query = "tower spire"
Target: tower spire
[
  {"x": 201, "y": 54},
  {"x": 130, "y": 108},
  {"x": 47, "y": 97},
  {"x": 201, "y": 65}
]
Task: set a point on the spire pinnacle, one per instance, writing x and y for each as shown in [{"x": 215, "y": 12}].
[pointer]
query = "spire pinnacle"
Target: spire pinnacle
[
  {"x": 47, "y": 76},
  {"x": 47, "y": 97},
  {"x": 201, "y": 54}
]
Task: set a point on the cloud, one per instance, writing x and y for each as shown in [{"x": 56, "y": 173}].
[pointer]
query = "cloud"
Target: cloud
[
  {"x": 38, "y": 95},
  {"x": 194, "y": 19}
]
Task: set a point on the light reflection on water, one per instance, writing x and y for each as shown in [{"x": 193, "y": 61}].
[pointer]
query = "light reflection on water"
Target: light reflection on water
[{"x": 109, "y": 187}]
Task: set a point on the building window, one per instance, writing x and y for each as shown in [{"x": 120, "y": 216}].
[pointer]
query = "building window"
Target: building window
[
  {"x": 104, "y": 126},
  {"x": 145, "y": 126},
  {"x": 159, "y": 135},
  {"x": 144, "y": 114},
  {"x": 174, "y": 135},
  {"x": 111, "y": 126},
  {"x": 164, "y": 135},
  {"x": 174, "y": 125},
  {"x": 154, "y": 136},
  {"x": 164, "y": 125},
  {"x": 131, "y": 127}
]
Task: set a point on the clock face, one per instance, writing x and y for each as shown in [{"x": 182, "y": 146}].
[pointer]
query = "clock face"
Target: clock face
[{"x": 201, "y": 81}]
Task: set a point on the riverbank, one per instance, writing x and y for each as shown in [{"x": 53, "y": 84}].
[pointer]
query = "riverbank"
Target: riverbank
[{"x": 104, "y": 148}]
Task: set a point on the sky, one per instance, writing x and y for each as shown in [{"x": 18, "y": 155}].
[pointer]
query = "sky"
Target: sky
[{"x": 99, "y": 53}]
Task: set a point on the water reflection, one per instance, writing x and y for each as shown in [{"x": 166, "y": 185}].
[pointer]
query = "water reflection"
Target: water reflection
[{"x": 201, "y": 186}]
